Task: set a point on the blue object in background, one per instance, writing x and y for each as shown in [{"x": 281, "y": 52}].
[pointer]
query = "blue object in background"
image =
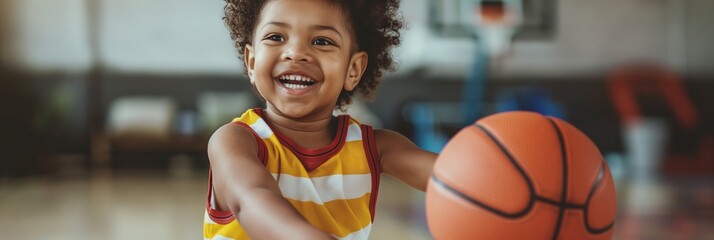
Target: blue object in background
[
  {"x": 426, "y": 134},
  {"x": 474, "y": 87}
]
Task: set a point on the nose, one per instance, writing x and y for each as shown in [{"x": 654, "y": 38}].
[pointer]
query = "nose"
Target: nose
[{"x": 297, "y": 52}]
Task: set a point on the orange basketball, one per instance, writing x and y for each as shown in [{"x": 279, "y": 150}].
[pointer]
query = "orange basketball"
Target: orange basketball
[{"x": 520, "y": 175}]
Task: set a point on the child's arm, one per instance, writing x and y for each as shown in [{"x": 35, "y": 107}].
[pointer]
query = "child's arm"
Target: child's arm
[
  {"x": 403, "y": 159},
  {"x": 243, "y": 185}
]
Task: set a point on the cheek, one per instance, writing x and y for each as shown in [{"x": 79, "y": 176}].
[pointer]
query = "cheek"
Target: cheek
[
  {"x": 263, "y": 70},
  {"x": 336, "y": 67},
  {"x": 262, "y": 74}
]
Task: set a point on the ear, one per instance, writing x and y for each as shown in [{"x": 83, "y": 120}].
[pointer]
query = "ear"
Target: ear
[
  {"x": 358, "y": 63},
  {"x": 249, "y": 60}
]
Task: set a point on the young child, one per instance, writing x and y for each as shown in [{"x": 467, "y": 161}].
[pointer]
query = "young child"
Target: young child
[{"x": 293, "y": 170}]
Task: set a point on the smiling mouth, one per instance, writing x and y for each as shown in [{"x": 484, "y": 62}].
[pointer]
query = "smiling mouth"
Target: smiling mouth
[{"x": 294, "y": 81}]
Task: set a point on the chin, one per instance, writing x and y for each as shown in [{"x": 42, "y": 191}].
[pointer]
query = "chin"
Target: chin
[{"x": 293, "y": 111}]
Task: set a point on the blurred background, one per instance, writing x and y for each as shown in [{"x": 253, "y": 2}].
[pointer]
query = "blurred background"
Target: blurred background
[{"x": 106, "y": 105}]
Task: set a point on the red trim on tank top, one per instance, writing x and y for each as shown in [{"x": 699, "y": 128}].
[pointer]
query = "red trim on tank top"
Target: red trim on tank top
[
  {"x": 313, "y": 158},
  {"x": 225, "y": 217},
  {"x": 374, "y": 165},
  {"x": 218, "y": 216}
]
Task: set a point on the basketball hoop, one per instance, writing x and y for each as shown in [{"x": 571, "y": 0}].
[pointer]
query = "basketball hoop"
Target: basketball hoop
[{"x": 495, "y": 23}]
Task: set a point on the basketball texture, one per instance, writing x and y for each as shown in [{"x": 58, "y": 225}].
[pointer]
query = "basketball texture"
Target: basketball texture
[{"x": 520, "y": 175}]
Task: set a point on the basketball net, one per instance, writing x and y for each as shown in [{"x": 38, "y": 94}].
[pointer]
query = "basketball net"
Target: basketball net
[{"x": 495, "y": 22}]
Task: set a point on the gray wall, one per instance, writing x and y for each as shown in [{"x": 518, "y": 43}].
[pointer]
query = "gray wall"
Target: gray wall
[
  {"x": 700, "y": 37},
  {"x": 158, "y": 36},
  {"x": 188, "y": 36}
]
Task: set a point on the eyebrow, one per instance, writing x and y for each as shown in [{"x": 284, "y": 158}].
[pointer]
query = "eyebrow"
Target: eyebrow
[
  {"x": 325, "y": 27},
  {"x": 318, "y": 27}
]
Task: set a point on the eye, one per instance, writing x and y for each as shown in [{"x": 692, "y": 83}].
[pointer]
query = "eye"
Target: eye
[
  {"x": 322, "y": 42},
  {"x": 275, "y": 38}
]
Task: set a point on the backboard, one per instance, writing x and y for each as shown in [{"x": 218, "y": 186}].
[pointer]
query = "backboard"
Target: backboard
[{"x": 455, "y": 18}]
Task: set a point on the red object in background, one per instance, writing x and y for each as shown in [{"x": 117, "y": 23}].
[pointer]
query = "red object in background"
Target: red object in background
[
  {"x": 650, "y": 79},
  {"x": 493, "y": 12},
  {"x": 627, "y": 82}
]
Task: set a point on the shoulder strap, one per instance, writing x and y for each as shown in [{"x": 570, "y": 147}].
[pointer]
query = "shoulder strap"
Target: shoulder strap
[
  {"x": 374, "y": 164},
  {"x": 262, "y": 149}
]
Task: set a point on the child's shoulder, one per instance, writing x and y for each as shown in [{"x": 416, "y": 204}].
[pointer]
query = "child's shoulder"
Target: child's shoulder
[
  {"x": 238, "y": 135},
  {"x": 389, "y": 141},
  {"x": 231, "y": 133},
  {"x": 233, "y": 140}
]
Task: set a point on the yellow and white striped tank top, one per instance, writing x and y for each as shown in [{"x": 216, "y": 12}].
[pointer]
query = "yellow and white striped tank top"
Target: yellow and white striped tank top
[{"x": 334, "y": 188}]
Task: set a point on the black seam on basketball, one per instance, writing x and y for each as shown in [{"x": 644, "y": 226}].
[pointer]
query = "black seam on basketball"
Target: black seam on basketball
[
  {"x": 564, "y": 190},
  {"x": 463, "y": 196},
  {"x": 531, "y": 190},
  {"x": 592, "y": 230},
  {"x": 556, "y": 203},
  {"x": 547, "y": 200}
]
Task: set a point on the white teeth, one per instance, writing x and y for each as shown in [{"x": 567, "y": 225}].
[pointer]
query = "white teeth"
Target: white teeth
[
  {"x": 294, "y": 77},
  {"x": 304, "y": 81},
  {"x": 294, "y": 86}
]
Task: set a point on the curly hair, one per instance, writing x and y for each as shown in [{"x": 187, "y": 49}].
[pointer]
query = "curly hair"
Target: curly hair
[{"x": 375, "y": 23}]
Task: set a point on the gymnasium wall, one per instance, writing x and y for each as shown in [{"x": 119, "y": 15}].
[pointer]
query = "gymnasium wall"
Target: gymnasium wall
[{"x": 186, "y": 36}]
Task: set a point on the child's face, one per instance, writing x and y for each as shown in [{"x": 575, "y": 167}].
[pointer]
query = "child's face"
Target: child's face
[{"x": 302, "y": 57}]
